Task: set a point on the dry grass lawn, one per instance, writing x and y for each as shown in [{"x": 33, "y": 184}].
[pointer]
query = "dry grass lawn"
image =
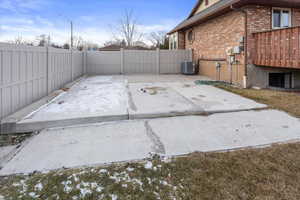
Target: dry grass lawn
[{"x": 286, "y": 101}]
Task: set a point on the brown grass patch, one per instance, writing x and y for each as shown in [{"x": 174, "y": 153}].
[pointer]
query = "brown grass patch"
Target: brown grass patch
[{"x": 286, "y": 101}]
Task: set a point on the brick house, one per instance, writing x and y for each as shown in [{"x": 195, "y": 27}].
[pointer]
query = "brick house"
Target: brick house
[{"x": 245, "y": 42}]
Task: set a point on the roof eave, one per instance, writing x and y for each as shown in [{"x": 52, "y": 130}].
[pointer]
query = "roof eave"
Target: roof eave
[{"x": 216, "y": 11}]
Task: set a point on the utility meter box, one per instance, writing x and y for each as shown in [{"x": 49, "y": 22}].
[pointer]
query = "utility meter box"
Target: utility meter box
[{"x": 237, "y": 50}]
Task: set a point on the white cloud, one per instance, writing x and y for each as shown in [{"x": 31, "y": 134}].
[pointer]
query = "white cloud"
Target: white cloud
[
  {"x": 11, "y": 20},
  {"x": 165, "y": 26},
  {"x": 29, "y": 27},
  {"x": 21, "y": 5}
]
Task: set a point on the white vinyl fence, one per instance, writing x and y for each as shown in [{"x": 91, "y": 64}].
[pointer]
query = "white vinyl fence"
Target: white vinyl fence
[
  {"x": 136, "y": 61},
  {"x": 29, "y": 73}
]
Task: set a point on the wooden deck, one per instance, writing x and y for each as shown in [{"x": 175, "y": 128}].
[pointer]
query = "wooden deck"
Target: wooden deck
[{"x": 278, "y": 48}]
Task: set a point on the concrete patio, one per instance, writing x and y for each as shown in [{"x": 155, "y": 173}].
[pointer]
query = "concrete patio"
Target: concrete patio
[
  {"x": 107, "y": 119},
  {"x": 110, "y": 98}
]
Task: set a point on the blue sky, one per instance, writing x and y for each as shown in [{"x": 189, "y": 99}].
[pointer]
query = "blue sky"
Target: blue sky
[{"x": 92, "y": 18}]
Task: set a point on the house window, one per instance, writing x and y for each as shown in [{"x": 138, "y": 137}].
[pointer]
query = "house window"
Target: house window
[
  {"x": 280, "y": 80},
  {"x": 190, "y": 36},
  {"x": 281, "y": 18},
  {"x": 206, "y": 2}
]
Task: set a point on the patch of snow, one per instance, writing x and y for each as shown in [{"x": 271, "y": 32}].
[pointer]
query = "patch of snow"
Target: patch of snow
[
  {"x": 148, "y": 165},
  {"x": 74, "y": 197},
  {"x": 115, "y": 178},
  {"x": 138, "y": 181},
  {"x": 103, "y": 171},
  {"x": 76, "y": 179},
  {"x": 99, "y": 189},
  {"x": 33, "y": 195},
  {"x": 85, "y": 191},
  {"x": 38, "y": 187},
  {"x": 157, "y": 195},
  {"x": 130, "y": 169},
  {"x": 16, "y": 184},
  {"x": 114, "y": 197},
  {"x": 24, "y": 186},
  {"x": 164, "y": 182},
  {"x": 94, "y": 185},
  {"x": 149, "y": 180},
  {"x": 85, "y": 184},
  {"x": 67, "y": 187}
]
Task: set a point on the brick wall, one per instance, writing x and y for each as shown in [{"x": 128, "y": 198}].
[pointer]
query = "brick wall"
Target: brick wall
[
  {"x": 214, "y": 37},
  {"x": 259, "y": 18},
  {"x": 212, "y": 40},
  {"x": 296, "y": 17}
]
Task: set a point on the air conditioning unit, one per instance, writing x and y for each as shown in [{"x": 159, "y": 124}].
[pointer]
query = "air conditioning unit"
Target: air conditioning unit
[{"x": 189, "y": 68}]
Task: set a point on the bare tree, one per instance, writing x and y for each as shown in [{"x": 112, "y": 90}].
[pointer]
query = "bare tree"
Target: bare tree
[
  {"x": 91, "y": 45},
  {"x": 43, "y": 40},
  {"x": 127, "y": 29},
  {"x": 120, "y": 43},
  {"x": 157, "y": 38},
  {"x": 20, "y": 41},
  {"x": 66, "y": 46},
  {"x": 78, "y": 42}
]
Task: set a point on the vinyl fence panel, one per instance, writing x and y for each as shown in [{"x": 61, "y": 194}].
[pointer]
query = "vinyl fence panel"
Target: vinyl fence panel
[
  {"x": 170, "y": 60},
  {"x": 22, "y": 76},
  {"x": 59, "y": 68},
  {"x": 28, "y": 74},
  {"x": 104, "y": 63},
  {"x": 78, "y": 64},
  {"x": 136, "y": 61},
  {"x": 140, "y": 62}
]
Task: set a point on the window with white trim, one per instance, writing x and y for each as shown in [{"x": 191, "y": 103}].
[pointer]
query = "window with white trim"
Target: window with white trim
[{"x": 281, "y": 18}]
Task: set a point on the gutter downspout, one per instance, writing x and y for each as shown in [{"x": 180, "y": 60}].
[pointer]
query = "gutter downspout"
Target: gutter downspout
[{"x": 245, "y": 43}]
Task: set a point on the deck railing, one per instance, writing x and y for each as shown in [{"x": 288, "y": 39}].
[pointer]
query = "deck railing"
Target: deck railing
[{"x": 277, "y": 48}]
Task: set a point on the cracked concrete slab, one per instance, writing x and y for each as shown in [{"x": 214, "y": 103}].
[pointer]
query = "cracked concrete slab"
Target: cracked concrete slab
[
  {"x": 80, "y": 146},
  {"x": 152, "y": 100},
  {"x": 225, "y": 131},
  {"x": 5, "y": 153},
  {"x": 157, "y": 146},
  {"x": 112, "y": 98},
  {"x": 132, "y": 140},
  {"x": 95, "y": 99},
  {"x": 212, "y": 99}
]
